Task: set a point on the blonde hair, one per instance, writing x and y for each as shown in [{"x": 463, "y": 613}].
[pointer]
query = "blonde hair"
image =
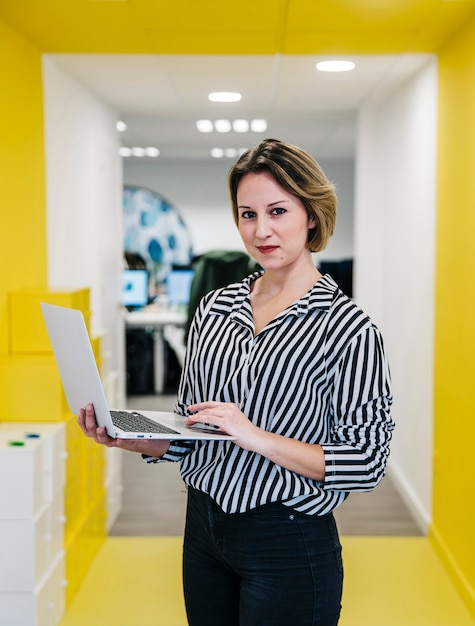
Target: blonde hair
[{"x": 298, "y": 173}]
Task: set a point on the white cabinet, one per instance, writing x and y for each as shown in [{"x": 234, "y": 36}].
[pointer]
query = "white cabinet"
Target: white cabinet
[
  {"x": 113, "y": 388},
  {"x": 32, "y": 475},
  {"x": 113, "y": 482}
]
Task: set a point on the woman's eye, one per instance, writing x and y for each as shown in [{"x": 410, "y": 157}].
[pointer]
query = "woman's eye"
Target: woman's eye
[
  {"x": 278, "y": 211},
  {"x": 247, "y": 215}
]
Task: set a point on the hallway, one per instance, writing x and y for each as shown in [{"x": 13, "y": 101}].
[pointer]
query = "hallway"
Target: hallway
[
  {"x": 389, "y": 581},
  {"x": 392, "y": 575},
  {"x": 379, "y": 513}
]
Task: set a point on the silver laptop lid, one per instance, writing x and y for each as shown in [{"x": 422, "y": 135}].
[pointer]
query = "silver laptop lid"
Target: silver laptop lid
[{"x": 76, "y": 363}]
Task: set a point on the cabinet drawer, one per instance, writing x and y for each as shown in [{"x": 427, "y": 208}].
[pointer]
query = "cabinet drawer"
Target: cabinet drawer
[
  {"x": 43, "y": 607},
  {"x": 36, "y": 467},
  {"x": 24, "y": 552},
  {"x": 22, "y": 490}
]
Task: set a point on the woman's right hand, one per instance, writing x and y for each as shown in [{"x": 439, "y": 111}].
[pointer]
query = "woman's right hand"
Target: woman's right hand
[{"x": 87, "y": 423}]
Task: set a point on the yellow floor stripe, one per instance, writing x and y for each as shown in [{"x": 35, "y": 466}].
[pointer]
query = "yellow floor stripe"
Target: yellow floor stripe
[{"x": 136, "y": 581}]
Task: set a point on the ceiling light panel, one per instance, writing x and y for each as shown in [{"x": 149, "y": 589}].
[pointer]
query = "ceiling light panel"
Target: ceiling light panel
[
  {"x": 240, "y": 126},
  {"x": 259, "y": 126},
  {"x": 205, "y": 126},
  {"x": 222, "y": 126},
  {"x": 335, "y": 66},
  {"x": 217, "y": 153},
  {"x": 152, "y": 152},
  {"x": 230, "y": 153},
  {"x": 224, "y": 96},
  {"x": 139, "y": 152}
]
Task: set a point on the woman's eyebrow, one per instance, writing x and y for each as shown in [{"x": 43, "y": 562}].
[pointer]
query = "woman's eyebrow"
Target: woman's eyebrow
[
  {"x": 278, "y": 202},
  {"x": 245, "y": 206}
]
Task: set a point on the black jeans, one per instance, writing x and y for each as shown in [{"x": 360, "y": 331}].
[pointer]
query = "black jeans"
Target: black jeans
[{"x": 268, "y": 567}]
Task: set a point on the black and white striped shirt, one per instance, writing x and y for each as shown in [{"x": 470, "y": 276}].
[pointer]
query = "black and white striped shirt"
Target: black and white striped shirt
[{"x": 317, "y": 373}]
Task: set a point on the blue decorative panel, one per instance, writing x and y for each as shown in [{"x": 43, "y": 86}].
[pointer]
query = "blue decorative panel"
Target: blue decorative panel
[{"x": 154, "y": 229}]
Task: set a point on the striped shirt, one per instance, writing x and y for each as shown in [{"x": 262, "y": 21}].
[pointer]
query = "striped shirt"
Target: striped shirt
[{"x": 317, "y": 373}]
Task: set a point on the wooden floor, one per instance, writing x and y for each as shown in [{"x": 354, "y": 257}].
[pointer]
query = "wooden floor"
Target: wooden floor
[{"x": 154, "y": 498}]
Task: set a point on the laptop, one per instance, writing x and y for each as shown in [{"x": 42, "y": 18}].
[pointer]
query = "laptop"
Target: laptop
[{"x": 82, "y": 384}]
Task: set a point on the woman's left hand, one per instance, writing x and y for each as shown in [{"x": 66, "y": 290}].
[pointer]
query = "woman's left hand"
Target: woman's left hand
[
  {"x": 229, "y": 418},
  {"x": 306, "y": 459}
]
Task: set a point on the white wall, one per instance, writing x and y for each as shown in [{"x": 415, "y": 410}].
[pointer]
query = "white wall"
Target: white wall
[
  {"x": 394, "y": 231},
  {"x": 394, "y": 273},
  {"x": 84, "y": 200},
  {"x": 199, "y": 192}
]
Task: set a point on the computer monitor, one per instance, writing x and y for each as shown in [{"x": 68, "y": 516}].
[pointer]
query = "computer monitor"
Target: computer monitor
[
  {"x": 134, "y": 288},
  {"x": 178, "y": 285}
]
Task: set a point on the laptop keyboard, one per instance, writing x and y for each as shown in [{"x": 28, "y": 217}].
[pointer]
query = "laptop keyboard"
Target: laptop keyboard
[{"x": 130, "y": 421}]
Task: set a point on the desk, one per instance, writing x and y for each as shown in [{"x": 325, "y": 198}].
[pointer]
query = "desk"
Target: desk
[{"x": 157, "y": 319}]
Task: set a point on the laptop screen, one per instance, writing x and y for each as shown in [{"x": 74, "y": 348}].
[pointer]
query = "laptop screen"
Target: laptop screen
[
  {"x": 134, "y": 288},
  {"x": 178, "y": 285}
]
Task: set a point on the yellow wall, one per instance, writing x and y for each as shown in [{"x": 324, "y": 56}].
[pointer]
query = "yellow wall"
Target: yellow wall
[
  {"x": 454, "y": 473},
  {"x": 24, "y": 360},
  {"x": 23, "y": 244},
  {"x": 22, "y": 172}
]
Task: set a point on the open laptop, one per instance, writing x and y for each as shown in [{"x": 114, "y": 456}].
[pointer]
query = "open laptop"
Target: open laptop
[{"x": 82, "y": 384}]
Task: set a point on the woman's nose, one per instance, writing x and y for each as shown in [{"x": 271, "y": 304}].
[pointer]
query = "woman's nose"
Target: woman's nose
[{"x": 262, "y": 227}]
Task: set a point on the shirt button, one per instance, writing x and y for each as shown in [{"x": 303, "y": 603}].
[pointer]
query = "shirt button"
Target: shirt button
[{"x": 291, "y": 518}]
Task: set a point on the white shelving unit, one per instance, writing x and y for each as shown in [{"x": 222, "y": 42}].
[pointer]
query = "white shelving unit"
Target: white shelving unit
[{"x": 32, "y": 477}]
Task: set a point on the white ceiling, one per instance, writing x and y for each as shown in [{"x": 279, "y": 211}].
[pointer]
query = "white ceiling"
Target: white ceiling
[{"x": 160, "y": 97}]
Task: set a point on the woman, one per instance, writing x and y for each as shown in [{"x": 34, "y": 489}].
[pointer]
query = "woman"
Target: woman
[{"x": 288, "y": 365}]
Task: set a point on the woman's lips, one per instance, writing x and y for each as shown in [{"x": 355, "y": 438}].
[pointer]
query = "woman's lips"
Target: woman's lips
[{"x": 266, "y": 249}]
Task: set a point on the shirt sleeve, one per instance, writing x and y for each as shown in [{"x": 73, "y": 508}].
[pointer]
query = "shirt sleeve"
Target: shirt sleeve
[
  {"x": 356, "y": 456},
  {"x": 176, "y": 451}
]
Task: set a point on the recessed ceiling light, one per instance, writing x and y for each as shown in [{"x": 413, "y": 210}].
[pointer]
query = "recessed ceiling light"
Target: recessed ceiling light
[
  {"x": 258, "y": 126},
  {"x": 152, "y": 152},
  {"x": 240, "y": 126},
  {"x": 217, "y": 153},
  {"x": 230, "y": 153},
  {"x": 335, "y": 66},
  {"x": 224, "y": 96},
  {"x": 121, "y": 126},
  {"x": 205, "y": 126},
  {"x": 138, "y": 152},
  {"x": 222, "y": 126}
]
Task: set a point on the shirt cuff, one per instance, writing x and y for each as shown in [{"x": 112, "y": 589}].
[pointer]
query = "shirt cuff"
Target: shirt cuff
[{"x": 176, "y": 451}]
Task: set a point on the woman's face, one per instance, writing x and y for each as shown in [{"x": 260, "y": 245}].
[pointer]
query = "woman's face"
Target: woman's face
[{"x": 272, "y": 222}]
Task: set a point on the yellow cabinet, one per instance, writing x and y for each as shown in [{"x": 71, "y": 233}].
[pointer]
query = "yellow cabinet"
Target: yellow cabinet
[{"x": 27, "y": 329}]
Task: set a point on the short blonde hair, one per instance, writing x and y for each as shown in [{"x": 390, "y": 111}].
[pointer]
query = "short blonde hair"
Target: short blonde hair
[{"x": 298, "y": 173}]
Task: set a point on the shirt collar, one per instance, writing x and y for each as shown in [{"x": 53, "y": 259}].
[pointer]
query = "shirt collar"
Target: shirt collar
[{"x": 320, "y": 296}]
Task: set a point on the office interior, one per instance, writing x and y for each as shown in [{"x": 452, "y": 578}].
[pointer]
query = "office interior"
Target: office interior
[{"x": 61, "y": 236}]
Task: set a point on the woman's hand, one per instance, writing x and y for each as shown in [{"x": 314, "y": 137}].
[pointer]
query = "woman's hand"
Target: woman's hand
[
  {"x": 87, "y": 423},
  {"x": 229, "y": 418},
  {"x": 302, "y": 458}
]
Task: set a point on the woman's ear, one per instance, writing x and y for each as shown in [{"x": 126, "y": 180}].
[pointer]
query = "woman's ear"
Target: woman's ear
[{"x": 312, "y": 222}]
